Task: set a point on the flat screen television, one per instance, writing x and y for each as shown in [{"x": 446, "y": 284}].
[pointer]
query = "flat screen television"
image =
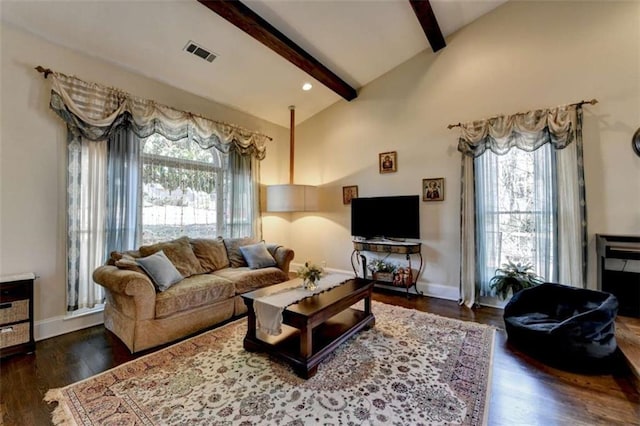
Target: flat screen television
[{"x": 395, "y": 217}]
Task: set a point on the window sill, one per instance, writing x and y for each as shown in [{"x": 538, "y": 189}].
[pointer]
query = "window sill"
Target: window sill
[{"x": 84, "y": 312}]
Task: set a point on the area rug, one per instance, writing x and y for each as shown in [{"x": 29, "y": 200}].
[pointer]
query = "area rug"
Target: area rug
[{"x": 410, "y": 368}]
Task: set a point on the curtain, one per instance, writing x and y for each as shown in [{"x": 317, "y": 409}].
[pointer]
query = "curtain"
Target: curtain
[
  {"x": 104, "y": 170},
  {"x": 96, "y": 112},
  {"x": 572, "y": 219},
  {"x": 86, "y": 218},
  {"x": 242, "y": 198},
  {"x": 559, "y": 127},
  {"x": 123, "y": 184},
  {"x": 468, "y": 291},
  {"x": 488, "y": 235}
]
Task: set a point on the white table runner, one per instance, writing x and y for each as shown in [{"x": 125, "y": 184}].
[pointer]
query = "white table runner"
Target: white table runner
[{"x": 269, "y": 309}]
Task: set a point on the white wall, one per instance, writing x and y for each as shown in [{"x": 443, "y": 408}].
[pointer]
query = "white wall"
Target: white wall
[
  {"x": 521, "y": 56},
  {"x": 33, "y": 158}
]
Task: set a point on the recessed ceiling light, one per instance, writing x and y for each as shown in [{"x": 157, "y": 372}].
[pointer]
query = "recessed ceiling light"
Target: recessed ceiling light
[{"x": 306, "y": 87}]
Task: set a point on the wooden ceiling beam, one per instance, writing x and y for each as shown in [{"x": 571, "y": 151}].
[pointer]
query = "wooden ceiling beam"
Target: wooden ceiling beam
[
  {"x": 251, "y": 23},
  {"x": 427, "y": 19}
]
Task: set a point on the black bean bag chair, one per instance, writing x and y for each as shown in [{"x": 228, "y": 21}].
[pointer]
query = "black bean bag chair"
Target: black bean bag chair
[{"x": 562, "y": 324}]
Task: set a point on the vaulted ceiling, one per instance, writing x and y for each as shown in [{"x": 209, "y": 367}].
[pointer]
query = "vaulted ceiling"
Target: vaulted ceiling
[{"x": 356, "y": 41}]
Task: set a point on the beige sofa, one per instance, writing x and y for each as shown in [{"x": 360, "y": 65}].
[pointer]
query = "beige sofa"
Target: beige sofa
[{"x": 215, "y": 274}]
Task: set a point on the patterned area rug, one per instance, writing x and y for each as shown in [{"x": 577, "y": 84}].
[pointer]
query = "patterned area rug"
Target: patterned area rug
[{"x": 411, "y": 368}]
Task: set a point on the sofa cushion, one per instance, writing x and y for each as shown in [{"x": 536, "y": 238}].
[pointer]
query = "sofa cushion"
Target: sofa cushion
[
  {"x": 211, "y": 253},
  {"x": 160, "y": 270},
  {"x": 257, "y": 256},
  {"x": 233, "y": 245},
  {"x": 129, "y": 263},
  {"x": 179, "y": 253},
  {"x": 114, "y": 256},
  {"x": 246, "y": 279},
  {"x": 198, "y": 290}
]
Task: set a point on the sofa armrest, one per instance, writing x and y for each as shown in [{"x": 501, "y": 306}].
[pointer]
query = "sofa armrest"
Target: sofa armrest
[
  {"x": 282, "y": 255},
  {"x": 128, "y": 285}
]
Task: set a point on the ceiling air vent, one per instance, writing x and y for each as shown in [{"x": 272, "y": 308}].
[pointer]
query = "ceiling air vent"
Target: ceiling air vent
[{"x": 200, "y": 51}]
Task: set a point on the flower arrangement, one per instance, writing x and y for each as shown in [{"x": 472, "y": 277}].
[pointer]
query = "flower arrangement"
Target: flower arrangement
[
  {"x": 379, "y": 265},
  {"x": 310, "y": 272}
]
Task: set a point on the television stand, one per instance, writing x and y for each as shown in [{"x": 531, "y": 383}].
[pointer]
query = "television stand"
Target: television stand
[{"x": 386, "y": 246}]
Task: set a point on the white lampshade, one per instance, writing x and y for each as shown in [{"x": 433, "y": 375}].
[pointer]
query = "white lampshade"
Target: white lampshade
[{"x": 292, "y": 198}]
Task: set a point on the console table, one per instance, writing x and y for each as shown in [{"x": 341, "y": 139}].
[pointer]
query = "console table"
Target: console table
[{"x": 395, "y": 247}]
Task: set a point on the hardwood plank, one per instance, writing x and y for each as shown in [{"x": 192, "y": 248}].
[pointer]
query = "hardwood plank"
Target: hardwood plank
[
  {"x": 628, "y": 338},
  {"x": 254, "y": 25},
  {"x": 524, "y": 390}
]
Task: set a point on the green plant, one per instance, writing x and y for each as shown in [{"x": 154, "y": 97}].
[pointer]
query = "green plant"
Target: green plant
[
  {"x": 514, "y": 277},
  {"x": 379, "y": 265}
]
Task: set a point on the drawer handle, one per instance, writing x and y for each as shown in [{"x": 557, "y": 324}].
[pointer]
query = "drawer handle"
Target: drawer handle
[
  {"x": 6, "y": 305},
  {"x": 6, "y": 330}
]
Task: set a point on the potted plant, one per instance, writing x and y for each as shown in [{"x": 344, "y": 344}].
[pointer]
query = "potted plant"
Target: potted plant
[
  {"x": 382, "y": 270},
  {"x": 513, "y": 277}
]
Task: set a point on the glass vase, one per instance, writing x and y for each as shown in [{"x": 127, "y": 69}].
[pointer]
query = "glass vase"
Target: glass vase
[{"x": 309, "y": 284}]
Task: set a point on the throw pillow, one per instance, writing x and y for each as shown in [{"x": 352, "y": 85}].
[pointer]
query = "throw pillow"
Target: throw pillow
[
  {"x": 160, "y": 270},
  {"x": 257, "y": 256},
  {"x": 236, "y": 260},
  {"x": 211, "y": 253},
  {"x": 179, "y": 253},
  {"x": 128, "y": 263}
]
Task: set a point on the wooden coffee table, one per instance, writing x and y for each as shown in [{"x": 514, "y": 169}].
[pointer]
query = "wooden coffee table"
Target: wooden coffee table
[{"x": 313, "y": 327}]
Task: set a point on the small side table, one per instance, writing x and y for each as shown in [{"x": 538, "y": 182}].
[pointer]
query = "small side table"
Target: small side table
[
  {"x": 16, "y": 314},
  {"x": 406, "y": 248}
]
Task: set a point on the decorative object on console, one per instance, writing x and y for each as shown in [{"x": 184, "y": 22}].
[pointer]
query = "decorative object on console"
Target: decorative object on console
[
  {"x": 433, "y": 189},
  {"x": 310, "y": 274},
  {"x": 388, "y": 162},
  {"x": 381, "y": 270},
  {"x": 349, "y": 193}
]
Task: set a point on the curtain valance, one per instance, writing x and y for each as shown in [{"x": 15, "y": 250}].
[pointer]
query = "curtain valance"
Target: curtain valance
[
  {"x": 527, "y": 131},
  {"x": 95, "y": 112}
]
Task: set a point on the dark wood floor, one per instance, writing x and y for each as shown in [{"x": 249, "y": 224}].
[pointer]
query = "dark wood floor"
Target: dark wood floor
[{"x": 524, "y": 390}]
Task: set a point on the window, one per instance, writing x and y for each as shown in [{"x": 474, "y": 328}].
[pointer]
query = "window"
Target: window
[
  {"x": 182, "y": 190},
  {"x": 516, "y": 212}
]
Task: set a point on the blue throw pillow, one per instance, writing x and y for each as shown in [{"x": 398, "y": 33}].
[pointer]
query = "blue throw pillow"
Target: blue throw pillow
[
  {"x": 257, "y": 256},
  {"x": 160, "y": 270}
]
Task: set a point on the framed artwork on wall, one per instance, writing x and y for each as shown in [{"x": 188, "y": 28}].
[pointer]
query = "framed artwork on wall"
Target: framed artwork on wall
[
  {"x": 433, "y": 189},
  {"x": 388, "y": 162},
  {"x": 349, "y": 193}
]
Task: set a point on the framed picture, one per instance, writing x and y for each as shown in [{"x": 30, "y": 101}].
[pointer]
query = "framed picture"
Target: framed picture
[
  {"x": 388, "y": 162},
  {"x": 349, "y": 193},
  {"x": 433, "y": 189}
]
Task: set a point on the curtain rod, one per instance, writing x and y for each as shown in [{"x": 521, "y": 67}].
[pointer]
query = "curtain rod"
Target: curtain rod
[
  {"x": 591, "y": 102},
  {"x": 47, "y": 71}
]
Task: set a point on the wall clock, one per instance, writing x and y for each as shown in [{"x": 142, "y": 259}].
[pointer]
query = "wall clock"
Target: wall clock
[{"x": 635, "y": 142}]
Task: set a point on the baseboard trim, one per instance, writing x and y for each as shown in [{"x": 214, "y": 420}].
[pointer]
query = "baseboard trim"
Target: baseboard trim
[{"x": 56, "y": 326}]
